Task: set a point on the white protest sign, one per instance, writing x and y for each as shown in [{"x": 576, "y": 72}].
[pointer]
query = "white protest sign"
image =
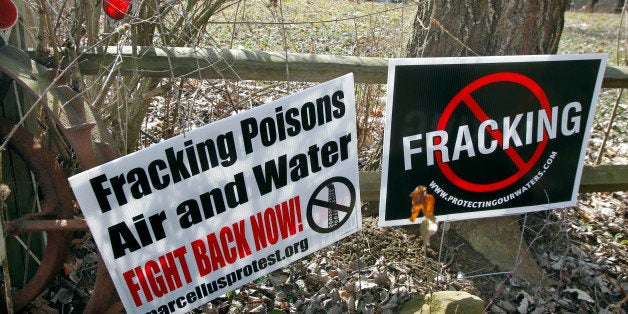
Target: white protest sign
[{"x": 186, "y": 220}]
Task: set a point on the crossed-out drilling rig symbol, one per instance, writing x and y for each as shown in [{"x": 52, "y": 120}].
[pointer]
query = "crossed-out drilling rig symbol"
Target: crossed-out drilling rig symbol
[{"x": 334, "y": 220}]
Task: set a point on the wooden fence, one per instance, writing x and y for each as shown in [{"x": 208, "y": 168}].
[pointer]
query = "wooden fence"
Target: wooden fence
[{"x": 236, "y": 64}]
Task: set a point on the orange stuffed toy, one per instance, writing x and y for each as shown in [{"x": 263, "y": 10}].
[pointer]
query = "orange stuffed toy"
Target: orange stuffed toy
[{"x": 421, "y": 200}]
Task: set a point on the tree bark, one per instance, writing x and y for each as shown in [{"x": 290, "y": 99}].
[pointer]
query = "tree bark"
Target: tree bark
[{"x": 445, "y": 28}]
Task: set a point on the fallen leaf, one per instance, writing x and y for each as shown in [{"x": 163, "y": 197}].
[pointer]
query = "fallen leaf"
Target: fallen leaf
[
  {"x": 523, "y": 306},
  {"x": 581, "y": 294},
  {"x": 63, "y": 296}
]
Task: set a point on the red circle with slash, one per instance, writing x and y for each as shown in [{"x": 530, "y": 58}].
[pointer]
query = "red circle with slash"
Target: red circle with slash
[{"x": 464, "y": 96}]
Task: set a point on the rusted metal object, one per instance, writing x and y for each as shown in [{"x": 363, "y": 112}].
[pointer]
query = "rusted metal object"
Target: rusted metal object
[
  {"x": 86, "y": 134},
  {"x": 57, "y": 204},
  {"x": 107, "y": 299},
  {"x": 21, "y": 226},
  {"x": 89, "y": 138}
]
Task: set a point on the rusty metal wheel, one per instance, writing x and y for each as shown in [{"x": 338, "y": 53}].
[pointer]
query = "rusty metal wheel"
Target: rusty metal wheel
[{"x": 57, "y": 204}]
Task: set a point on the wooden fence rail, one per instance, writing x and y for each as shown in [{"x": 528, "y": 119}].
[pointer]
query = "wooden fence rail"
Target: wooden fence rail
[
  {"x": 605, "y": 178},
  {"x": 236, "y": 64}
]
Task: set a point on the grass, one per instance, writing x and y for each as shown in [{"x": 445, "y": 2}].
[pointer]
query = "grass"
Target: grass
[
  {"x": 346, "y": 27},
  {"x": 594, "y": 33},
  {"x": 315, "y": 26}
]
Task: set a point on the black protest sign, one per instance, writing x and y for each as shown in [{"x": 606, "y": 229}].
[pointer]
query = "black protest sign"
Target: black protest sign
[{"x": 487, "y": 136}]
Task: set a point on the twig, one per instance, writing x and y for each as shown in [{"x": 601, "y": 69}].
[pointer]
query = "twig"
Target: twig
[
  {"x": 52, "y": 84},
  {"x": 76, "y": 289},
  {"x": 598, "y": 160},
  {"x": 497, "y": 291},
  {"x": 453, "y": 36},
  {"x": 358, "y": 258},
  {"x": 525, "y": 220},
  {"x": 27, "y": 249},
  {"x": 607, "y": 133},
  {"x": 150, "y": 137},
  {"x": 487, "y": 274},
  {"x": 619, "y": 288},
  {"x": 440, "y": 248},
  {"x": 4, "y": 193},
  {"x": 285, "y": 45}
]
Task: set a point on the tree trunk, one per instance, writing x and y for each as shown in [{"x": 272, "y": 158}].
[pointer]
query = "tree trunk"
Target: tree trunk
[{"x": 444, "y": 28}]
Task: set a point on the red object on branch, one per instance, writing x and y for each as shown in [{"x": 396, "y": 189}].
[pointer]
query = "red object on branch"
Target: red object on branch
[
  {"x": 115, "y": 9},
  {"x": 8, "y": 14}
]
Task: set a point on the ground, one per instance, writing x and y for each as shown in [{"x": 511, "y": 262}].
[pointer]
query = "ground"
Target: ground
[{"x": 583, "y": 249}]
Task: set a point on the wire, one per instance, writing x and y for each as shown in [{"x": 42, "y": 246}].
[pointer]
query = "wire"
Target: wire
[{"x": 312, "y": 22}]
